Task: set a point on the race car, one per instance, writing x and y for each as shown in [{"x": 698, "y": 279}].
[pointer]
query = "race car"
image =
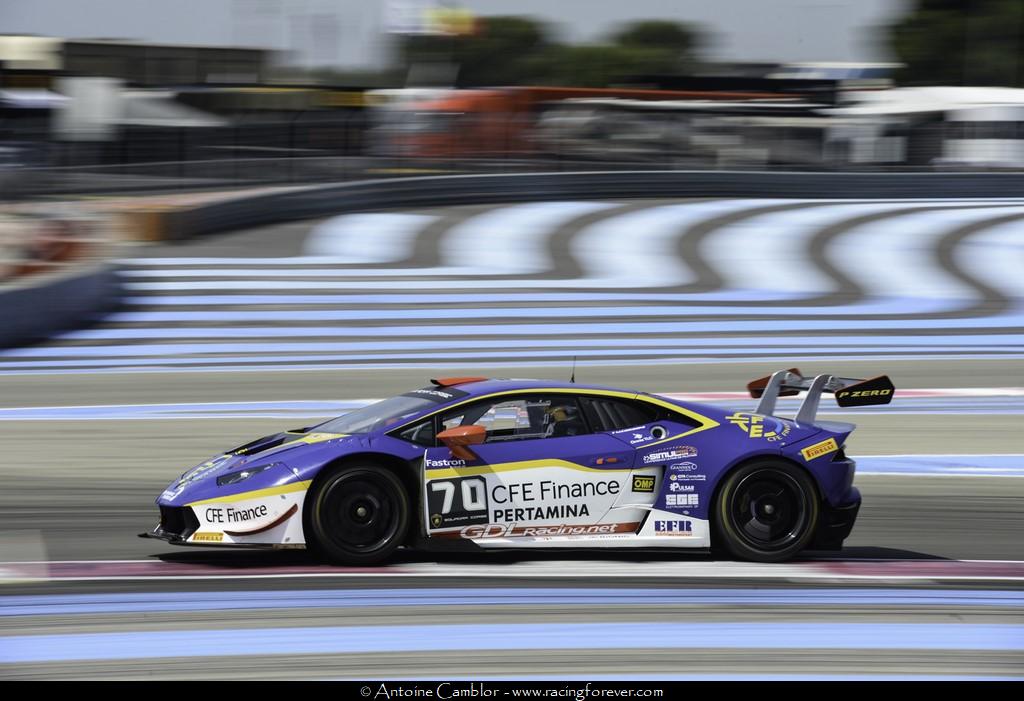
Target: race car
[{"x": 478, "y": 463}]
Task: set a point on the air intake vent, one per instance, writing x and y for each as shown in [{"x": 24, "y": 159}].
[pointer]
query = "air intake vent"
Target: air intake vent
[{"x": 178, "y": 521}]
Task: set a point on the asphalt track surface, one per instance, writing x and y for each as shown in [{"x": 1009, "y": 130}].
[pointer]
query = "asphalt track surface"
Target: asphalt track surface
[{"x": 80, "y": 490}]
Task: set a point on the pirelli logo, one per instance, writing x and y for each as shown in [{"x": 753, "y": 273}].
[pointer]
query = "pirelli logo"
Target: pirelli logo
[
  {"x": 643, "y": 483},
  {"x": 208, "y": 538},
  {"x": 819, "y": 449}
]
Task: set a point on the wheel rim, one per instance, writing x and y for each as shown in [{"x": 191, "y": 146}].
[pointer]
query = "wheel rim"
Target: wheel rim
[
  {"x": 769, "y": 510},
  {"x": 359, "y": 513}
]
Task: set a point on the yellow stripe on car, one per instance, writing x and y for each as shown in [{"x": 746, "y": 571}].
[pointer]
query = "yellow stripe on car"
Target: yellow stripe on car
[{"x": 257, "y": 493}]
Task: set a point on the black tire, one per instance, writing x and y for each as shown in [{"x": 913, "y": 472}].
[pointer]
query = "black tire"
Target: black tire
[
  {"x": 359, "y": 515},
  {"x": 767, "y": 511}
]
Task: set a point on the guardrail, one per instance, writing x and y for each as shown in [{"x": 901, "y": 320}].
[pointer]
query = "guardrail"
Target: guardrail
[{"x": 448, "y": 190}]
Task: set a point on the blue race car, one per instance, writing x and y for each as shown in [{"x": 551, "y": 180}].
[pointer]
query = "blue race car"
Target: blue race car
[{"x": 471, "y": 462}]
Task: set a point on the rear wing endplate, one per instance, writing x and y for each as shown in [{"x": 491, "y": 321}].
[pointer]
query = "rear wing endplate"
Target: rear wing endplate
[{"x": 848, "y": 391}]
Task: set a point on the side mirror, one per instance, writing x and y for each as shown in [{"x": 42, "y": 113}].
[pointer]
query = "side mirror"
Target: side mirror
[{"x": 459, "y": 439}]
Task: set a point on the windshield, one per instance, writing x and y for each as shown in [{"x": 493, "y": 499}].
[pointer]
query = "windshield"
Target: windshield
[{"x": 376, "y": 416}]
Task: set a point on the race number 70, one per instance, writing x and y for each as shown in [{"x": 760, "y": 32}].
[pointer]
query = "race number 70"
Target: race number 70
[{"x": 465, "y": 494}]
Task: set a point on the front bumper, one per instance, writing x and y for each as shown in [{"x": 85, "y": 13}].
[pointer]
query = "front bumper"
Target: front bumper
[
  {"x": 836, "y": 523},
  {"x": 177, "y": 524}
]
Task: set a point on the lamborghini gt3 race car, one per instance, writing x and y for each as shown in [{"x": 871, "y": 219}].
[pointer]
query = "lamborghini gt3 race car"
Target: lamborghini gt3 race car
[{"x": 471, "y": 462}]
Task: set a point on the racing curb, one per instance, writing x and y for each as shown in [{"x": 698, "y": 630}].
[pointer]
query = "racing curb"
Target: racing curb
[{"x": 38, "y": 306}]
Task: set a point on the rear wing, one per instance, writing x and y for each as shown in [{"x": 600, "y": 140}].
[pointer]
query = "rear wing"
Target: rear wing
[{"x": 848, "y": 391}]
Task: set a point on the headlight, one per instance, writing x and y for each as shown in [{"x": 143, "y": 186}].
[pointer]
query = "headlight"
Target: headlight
[{"x": 236, "y": 477}]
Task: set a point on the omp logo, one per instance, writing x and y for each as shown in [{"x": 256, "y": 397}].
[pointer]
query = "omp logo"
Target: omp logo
[
  {"x": 819, "y": 449},
  {"x": 756, "y": 426},
  {"x": 643, "y": 483},
  {"x": 208, "y": 538},
  {"x": 864, "y": 393}
]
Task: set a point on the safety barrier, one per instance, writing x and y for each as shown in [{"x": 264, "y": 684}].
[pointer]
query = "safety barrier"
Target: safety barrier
[
  {"x": 433, "y": 191},
  {"x": 34, "y": 307}
]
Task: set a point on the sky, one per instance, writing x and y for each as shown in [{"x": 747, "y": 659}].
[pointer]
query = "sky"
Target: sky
[{"x": 350, "y": 33}]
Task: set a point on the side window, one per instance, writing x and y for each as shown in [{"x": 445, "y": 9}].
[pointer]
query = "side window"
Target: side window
[
  {"x": 522, "y": 418},
  {"x": 606, "y": 414},
  {"x": 421, "y": 433}
]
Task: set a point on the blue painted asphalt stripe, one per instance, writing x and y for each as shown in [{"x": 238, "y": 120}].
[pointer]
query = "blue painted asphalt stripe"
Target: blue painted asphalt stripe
[
  {"x": 958, "y": 465},
  {"x": 518, "y": 347},
  {"x": 428, "y": 360},
  {"x": 1007, "y": 323},
  {"x": 239, "y": 365},
  {"x": 419, "y": 310},
  {"x": 452, "y": 298},
  {"x": 22, "y": 649},
  {"x": 1010, "y": 319},
  {"x": 75, "y": 604}
]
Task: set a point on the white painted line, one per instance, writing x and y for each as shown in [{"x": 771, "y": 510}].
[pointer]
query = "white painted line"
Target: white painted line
[{"x": 367, "y": 238}]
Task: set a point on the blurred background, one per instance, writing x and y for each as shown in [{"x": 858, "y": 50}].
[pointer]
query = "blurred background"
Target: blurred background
[
  {"x": 224, "y": 218},
  {"x": 221, "y": 90}
]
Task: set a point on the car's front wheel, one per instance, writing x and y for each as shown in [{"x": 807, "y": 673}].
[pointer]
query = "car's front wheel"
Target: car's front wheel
[
  {"x": 359, "y": 515},
  {"x": 767, "y": 511}
]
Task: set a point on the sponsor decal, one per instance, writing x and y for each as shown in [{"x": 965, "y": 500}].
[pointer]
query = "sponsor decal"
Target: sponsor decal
[
  {"x": 201, "y": 471},
  {"x": 311, "y": 438},
  {"x": 819, "y": 449},
  {"x": 877, "y": 390},
  {"x": 472, "y": 500},
  {"x": 548, "y": 490},
  {"x": 448, "y": 462},
  {"x": 865, "y": 393},
  {"x": 170, "y": 494},
  {"x": 457, "y": 502},
  {"x": 536, "y": 513},
  {"x": 677, "y": 487},
  {"x": 229, "y": 514},
  {"x": 643, "y": 483},
  {"x": 757, "y": 426},
  {"x": 433, "y": 393},
  {"x": 683, "y": 451},
  {"x": 498, "y": 530},
  {"x": 631, "y": 429},
  {"x": 682, "y": 499},
  {"x": 208, "y": 537},
  {"x": 677, "y": 528},
  {"x": 683, "y": 467},
  {"x": 437, "y": 394},
  {"x": 640, "y": 438}
]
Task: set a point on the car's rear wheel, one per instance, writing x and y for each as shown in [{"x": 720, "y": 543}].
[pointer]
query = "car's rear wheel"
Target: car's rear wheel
[
  {"x": 767, "y": 511},
  {"x": 359, "y": 515}
]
